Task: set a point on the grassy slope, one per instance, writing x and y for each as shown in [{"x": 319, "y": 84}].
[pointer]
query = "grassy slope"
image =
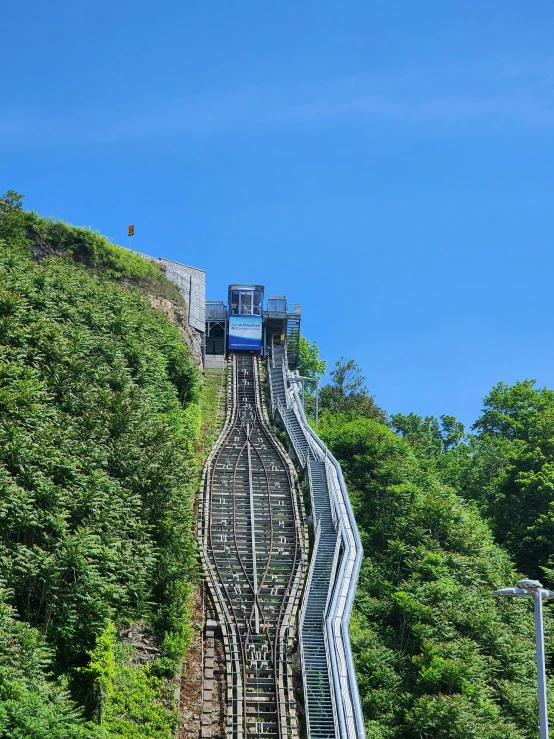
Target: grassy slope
[
  {"x": 46, "y": 236},
  {"x": 212, "y": 406}
]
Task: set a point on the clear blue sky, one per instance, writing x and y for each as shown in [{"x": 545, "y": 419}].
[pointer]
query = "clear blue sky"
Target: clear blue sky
[{"x": 389, "y": 164}]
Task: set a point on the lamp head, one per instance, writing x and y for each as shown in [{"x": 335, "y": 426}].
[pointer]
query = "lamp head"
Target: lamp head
[
  {"x": 531, "y": 585},
  {"x": 510, "y": 593}
]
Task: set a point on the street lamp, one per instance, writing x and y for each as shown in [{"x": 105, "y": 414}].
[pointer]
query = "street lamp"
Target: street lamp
[
  {"x": 535, "y": 589},
  {"x": 299, "y": 378},
  {"x": 317, "y": 401}
]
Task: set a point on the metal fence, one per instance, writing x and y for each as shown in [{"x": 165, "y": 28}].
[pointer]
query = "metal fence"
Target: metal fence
[{"x": 346, "y": 699}]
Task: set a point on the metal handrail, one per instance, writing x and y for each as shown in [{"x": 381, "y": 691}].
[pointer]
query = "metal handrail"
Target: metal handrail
[
  {"x": 328, "y": 651},
  {"x": 271, "y": 397},
  {"x": 284, "y": 371},
  {"x": 347, "y": 600},
  {"x": 314, "y": 442},
  {"x": 310, "y": 573},
  {"x": 337, "y": 617}
]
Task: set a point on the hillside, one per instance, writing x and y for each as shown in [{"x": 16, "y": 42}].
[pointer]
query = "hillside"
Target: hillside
[
  {"x": 98, "y": 440},
  {"x": 437, "y": 655},
  {"x": 101, "y": 439}
]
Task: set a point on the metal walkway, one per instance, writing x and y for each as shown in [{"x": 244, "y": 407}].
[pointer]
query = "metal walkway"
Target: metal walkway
[
  {"x": 319, "y": 697},
  {"x": 319, "y": 704},
  {"x": 254, "y": 556},
  {"x": 332, "y": 701}
]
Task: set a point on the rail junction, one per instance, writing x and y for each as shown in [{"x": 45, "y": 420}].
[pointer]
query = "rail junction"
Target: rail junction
[
  {"x": 279, "y": 605},
  {"x": 255, "y": 556}
]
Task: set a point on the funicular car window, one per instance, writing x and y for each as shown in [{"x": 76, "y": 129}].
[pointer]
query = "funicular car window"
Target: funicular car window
[{"x": 246, "y": 303}]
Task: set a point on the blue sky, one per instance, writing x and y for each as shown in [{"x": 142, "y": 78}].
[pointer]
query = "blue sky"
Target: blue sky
[{"x": 387, "y": 164}]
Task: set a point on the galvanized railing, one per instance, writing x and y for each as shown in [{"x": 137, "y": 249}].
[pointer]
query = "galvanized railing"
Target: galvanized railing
[{"x": 349, "y": 718}]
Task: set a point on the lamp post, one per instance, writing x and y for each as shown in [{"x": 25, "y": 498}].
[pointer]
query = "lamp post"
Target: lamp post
[
  {"x": 317, "y": 401},
  {"x": 303, "y": 380},
  {"x": 535, "y": 589}
]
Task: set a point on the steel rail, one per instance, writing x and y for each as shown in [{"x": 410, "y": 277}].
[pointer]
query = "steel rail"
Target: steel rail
[
  {"x": 295, "y": 560},
  {"x": 290, "y": 488},
  {"x": 233, "y": 622},
  {"x": 246, "y": 438},
  {"x": 255, "y": 590}
]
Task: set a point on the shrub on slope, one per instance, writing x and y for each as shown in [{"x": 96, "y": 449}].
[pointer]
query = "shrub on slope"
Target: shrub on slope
[
  {"x": 31, "y": 705},
  {"x": 506, "y": 467},
  {"x": 97, "y": 428},
  {"x": 82, "y": 245},
  {"x": 438, "y": 657}
]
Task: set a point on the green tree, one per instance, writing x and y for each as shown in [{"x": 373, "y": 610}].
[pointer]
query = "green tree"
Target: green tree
[
  {"x": 9, "y": 202},
  {"x": 32, "y": 704},
  {"x": 429, "y": 436},
  {"x": 310, "y": 364},
  {"x": 347, "y": 392},
  {"x": 101, "y": 668},
  {"x": 436, "y": 654},
  {"x": 440, "y": 444},
  {"x": 511, "y": 474},
  {"x": 12, "y": 218},
  {"x": 512, "y": 411}
]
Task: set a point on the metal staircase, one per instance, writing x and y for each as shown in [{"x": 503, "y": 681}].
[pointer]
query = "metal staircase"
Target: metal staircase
[
  {"x": 293, "y": 341},
  {"x": 297, "y": 438},
  {"x": 277, "y": 377},
  {"x": 319, "y": 699},
  {"x": 279, "y": 400},
  {"x": 332, "y": 702}
]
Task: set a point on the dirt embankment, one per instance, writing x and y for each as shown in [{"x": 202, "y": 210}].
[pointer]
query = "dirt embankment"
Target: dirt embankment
[{"x": 178, "y": 316}]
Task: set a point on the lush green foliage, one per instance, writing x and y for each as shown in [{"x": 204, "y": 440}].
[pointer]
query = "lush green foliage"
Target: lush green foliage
[
  {"x": 46, "y": 236},
  {"x": 96, "y": 452},
  {"x": 511, "y": 472},
  {"x": 212, "y": 406},
  {"x": 309, "y": 362},
  {"x": 427, "y": 435},
  {"x": 139, "y": 704},
  {"x": 347, "y": 393},
  {"x": 98, "y": 441},
  {"x": 310, "y": 365},
  {"x": 32, "y": 704},
  {"x": 506, "y": 466},
  {"x": 101, "y": 667},
  {"x": 437, "y": 655}
]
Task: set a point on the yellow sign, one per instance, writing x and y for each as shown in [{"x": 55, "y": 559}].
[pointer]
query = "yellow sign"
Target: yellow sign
[{"x": 131, "y": 231}]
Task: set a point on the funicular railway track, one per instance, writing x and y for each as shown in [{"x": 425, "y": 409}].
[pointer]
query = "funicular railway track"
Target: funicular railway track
[{"x": 254, "y": 555}]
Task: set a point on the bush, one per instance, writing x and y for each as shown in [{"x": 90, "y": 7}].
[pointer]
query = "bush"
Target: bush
[
  {"x": 98, "y": 432},
  {"x": 82, "y": 245},
  {"x": 32, "y": 705},
  {"x": 436, "y": 654}
]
